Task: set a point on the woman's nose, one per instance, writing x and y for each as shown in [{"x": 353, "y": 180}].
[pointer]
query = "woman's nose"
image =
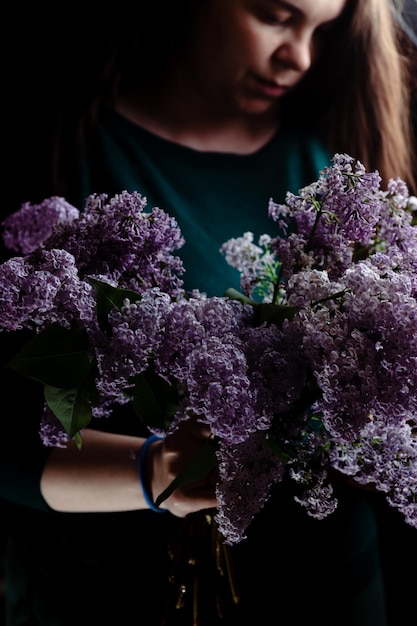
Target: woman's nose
[{"x": 295, "y": 52}]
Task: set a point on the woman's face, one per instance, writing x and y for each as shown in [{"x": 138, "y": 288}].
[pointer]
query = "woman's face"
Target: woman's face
[{"x": 246, "y": 54}]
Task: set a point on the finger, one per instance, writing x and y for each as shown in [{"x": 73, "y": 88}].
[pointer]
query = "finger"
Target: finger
[
  {"x": 184, "y": 502},
  {"x": 194, "y": 426}
]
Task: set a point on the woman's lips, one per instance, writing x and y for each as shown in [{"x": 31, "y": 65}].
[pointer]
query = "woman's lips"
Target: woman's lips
[{"x": 267, "y": 88}]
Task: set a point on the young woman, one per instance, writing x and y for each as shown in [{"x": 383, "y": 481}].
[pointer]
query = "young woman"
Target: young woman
[{"x": 208, "y": 108}]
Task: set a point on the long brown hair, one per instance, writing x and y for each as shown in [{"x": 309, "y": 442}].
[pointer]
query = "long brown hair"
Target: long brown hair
[
  {"x": 362, "y": 92},
  {"x": 380, "y": 108}
]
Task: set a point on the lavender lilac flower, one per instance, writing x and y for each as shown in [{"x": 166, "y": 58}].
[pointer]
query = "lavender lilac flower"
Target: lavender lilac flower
[
  {"x": 349, "y": 269},
  {"x": 312, "y": 367}
]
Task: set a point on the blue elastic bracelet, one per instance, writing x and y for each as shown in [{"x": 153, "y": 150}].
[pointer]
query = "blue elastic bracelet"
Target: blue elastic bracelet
[{"x": 141, "y": 462}]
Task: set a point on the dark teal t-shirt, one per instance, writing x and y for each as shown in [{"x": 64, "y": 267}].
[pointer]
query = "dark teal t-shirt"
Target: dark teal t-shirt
[{"x": 214, "y": 196}]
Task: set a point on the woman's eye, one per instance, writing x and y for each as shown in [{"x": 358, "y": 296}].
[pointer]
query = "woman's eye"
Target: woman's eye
[
  {"x": 280, "y": 19},
  {"x": 270, "y": 13}
]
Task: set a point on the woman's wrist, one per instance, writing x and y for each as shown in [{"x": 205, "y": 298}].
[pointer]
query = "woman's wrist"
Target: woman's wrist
[{"x": 143, "y": 474}]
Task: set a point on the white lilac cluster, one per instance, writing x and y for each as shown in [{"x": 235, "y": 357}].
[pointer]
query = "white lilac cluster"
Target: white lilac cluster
[{"x": 313, "y": 366}]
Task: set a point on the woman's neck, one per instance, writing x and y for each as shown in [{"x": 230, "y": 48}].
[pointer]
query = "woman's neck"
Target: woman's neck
[{"x": 189, "y": 124}]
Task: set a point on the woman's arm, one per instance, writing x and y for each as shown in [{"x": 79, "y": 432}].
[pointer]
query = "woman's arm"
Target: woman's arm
[{"x": 103, "y": 476}]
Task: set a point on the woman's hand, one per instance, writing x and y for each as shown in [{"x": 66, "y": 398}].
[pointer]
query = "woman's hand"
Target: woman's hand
[{"x": 167, "y": 458}]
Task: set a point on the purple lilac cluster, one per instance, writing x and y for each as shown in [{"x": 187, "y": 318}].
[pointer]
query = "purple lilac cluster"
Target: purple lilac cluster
[
  {"x": 332, "y": 384},
  {"x": 194, "y": 344},
  {"x": 349, "y": 269},
  {"x": 114, "y": 240}
]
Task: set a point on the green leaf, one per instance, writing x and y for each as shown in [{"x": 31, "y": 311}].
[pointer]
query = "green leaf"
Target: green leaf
[
  {"x": 109, "y": 297},
  {"x": 71, "y": 406},
  {"x": 264, "y": 311},
  {"x": 279, "y": 450},
  {"x": 57, "y": 356},
  {"x": 154, "y": 400},
  {"x": 274, "y": 313},
  {"x": 234, "y": 294},
  {"x": 200, "y": 465}
]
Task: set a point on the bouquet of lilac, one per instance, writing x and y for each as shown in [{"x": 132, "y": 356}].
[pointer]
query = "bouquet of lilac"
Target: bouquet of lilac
[{"x": 311, "y": 368}]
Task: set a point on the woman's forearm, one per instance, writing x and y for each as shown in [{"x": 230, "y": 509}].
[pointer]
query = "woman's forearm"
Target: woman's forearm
[
  {"x": 103, "y": 475},
  {"x": 100, "y": 477}
]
